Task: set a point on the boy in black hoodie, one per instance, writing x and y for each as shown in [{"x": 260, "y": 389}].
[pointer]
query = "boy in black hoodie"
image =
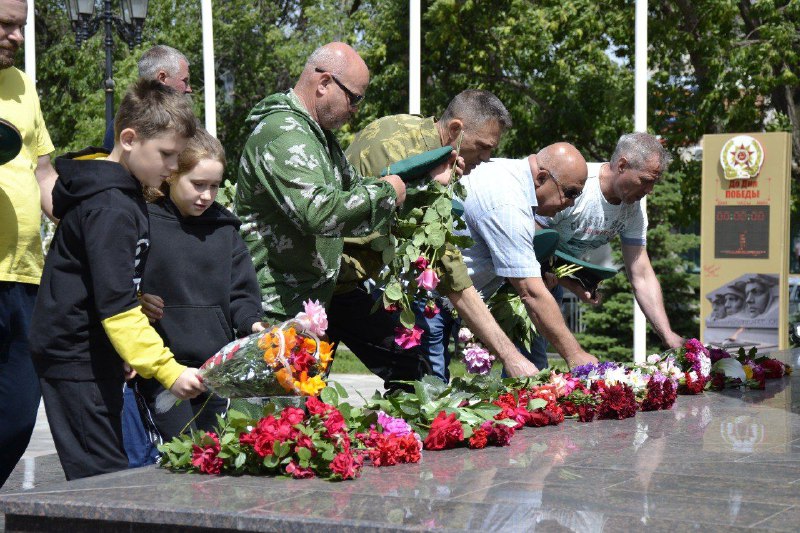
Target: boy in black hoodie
[{"x": 88, "y": 323}]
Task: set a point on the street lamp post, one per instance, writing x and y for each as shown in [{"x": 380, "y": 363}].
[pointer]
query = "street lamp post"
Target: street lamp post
[{"x": 129, "y": 27}]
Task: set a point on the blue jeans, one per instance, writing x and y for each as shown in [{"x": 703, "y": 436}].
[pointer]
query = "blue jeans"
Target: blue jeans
[
  {"x": 436, "y": 338},
  {"x": 141, "y": 451},
  {"x": 19, "y": 384}
]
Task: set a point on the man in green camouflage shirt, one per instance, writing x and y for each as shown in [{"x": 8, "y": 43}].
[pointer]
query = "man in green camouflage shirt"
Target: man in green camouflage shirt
[
  {"x": 298, "y": 196},
  {"x": 482, "y": 118}
]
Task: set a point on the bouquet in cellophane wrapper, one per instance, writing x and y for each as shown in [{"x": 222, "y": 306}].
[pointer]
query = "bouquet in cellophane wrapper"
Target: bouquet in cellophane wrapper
[{"x": 288, "y": 359}]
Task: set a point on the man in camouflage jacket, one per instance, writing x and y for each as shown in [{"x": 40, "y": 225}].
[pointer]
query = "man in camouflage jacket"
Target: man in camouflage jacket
[{"x": 298, "y": 196}]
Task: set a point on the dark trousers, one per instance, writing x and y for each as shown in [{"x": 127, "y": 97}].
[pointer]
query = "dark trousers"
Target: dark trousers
[
  {"x": 370, "y": 336},
  {"x": 86, "y": 422},
  {"x": 201, "y": 411},
  {"x": 139, "y": 440},
  {"x": 19, "y": 386}
]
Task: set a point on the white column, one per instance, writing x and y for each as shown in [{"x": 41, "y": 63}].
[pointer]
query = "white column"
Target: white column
[
  {"x": 30, "y": 43},
  {"x": 209, "y": 77},
  {"x": 414, "y": 55},
  {"x": 640, "y": 124}
]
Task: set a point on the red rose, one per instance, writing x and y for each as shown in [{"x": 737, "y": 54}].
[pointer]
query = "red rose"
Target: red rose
[
  {"x": 206, "y": 457},
  {"x": 346, "y": 465},
  {"x": 293, "y": 415},
  {"x": 334, "y": 423},
  {"x": 446, "y": 432},
  {"x": 316, "y": 406},
  {"x": 298, "y": 472},
  {"x": 303, "y": 361}
]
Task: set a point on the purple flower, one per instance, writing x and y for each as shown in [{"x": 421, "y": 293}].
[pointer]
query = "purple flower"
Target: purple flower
[
  {"x": 392, "y": 425},
  {"x": 478, "y": 360},
  {"x": 717, "y": 354}
]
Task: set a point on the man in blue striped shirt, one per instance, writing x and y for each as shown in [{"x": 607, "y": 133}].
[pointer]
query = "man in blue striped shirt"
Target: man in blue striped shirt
[{"x": 503, "y": 195}]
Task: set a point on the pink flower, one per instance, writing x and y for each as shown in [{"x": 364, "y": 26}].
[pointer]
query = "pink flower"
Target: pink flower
[
  {"x": 464, "y": 335},
  {"x": 431, "y": 310},
  {"x": 428, "y": 280},
  {"x": 421, "y": 263},
  {"x": 407, "y": 338},
  {"x": 393, "y": 426},
  {"x": 477, "y": 359},
  {"x": 314, "y": 318}
]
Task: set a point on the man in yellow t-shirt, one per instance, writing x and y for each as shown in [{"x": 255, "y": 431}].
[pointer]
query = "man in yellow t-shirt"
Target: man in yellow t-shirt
[{"x": 26, "y": 185}]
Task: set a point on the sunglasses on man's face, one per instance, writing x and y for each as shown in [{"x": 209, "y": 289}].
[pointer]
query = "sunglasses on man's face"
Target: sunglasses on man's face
[
  {"x": 352, "y": 98},
  {"x": 570, "y": 194}
]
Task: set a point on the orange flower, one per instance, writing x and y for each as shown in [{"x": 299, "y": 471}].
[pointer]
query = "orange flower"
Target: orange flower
[
  {"x": 290, "y": 336},
  {"x": 271, "y": 346},
  {"x": 309, "y": 344},
  {"x": 285, "y": 379},
  {"x": 325, "y": 354}
]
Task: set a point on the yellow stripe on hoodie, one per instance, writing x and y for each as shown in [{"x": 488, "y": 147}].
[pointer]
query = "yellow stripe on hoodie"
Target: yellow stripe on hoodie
[{"x": 140, "y": 346}]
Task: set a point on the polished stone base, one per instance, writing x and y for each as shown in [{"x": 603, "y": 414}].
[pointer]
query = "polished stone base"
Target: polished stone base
[{"x": 719, "y": 461}]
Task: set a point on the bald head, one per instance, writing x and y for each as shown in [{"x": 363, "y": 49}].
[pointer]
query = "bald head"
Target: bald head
[
  {"x": 332, "y": 84},
  {"x": 559, "y": 176}
]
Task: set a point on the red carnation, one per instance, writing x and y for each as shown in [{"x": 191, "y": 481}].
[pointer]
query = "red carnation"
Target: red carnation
[
  {"x": 346, "y": 465},
  {"x": 446, "y": 432},
  {"x": 655, "y": 391},
  {"x": 303, "y": 361},
  {"x": 586, "y": 412},
  {"x": 617, "y": 402},
  {"x": 479, "y": 439},
  {"x": 409, "y": 449},
  {"x": 773, "y": 369},
  {"x": 501, "y": 435},
  {"x": 669, "y": 394}
]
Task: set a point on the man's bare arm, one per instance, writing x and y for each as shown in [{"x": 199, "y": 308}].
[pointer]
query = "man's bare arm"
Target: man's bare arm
[
  {"x": 46, "y": 176},
  {"x": 546, "y": 316},
  {"x": 480, "y": 321}
]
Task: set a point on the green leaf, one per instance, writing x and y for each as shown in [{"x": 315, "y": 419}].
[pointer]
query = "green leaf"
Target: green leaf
[
  {"x": 536, "y": 403},
  {"x": 393, "y": 291},
  {"x": 329, "y": 395},
  {"x": 240, "y": 460},
  {"x": 407, "y": 318},
  {"x": 303, "y": 453}
]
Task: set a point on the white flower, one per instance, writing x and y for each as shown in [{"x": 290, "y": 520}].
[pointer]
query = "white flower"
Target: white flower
[{"x": 464, "y": 335}]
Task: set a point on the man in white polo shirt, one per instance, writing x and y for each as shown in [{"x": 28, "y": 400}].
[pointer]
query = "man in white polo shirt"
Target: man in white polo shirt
[
  {"x": 609, "y": 206},
  {"x": 502, "y": 197}
]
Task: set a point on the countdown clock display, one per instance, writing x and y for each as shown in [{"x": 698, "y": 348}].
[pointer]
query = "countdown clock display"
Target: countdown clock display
[{"x": 741, "y": 232}]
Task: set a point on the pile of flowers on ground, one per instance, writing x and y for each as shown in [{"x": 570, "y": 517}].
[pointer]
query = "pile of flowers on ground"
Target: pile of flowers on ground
[
  {"x": 301, "y": 443},
  {"x": 333, "y": 439},
  {"x": 288, "y": 358}
]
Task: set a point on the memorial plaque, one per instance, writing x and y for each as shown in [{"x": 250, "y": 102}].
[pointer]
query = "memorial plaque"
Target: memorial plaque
[{"x": 744, "y": 236}]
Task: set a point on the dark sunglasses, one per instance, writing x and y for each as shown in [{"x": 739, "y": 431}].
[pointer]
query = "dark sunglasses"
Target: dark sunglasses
[
  {"x": 353, "y": 98},
  {"x": 569, "y": 194}
]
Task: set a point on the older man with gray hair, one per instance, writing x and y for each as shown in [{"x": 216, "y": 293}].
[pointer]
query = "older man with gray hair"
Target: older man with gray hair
[
  {"x": 164, "y": 64},
  {"x": 609, "y": 206}
]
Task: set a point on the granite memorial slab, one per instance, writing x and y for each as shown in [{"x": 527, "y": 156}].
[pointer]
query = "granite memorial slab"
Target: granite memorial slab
[{"x": 715, "y": 461}]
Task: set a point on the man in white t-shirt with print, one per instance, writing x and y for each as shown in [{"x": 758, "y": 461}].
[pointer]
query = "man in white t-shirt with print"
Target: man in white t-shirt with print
[{"x": 609, "y": 206}]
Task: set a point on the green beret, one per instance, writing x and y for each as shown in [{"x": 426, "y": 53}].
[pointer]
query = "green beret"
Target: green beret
[{"x": 419, "y": 165}]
